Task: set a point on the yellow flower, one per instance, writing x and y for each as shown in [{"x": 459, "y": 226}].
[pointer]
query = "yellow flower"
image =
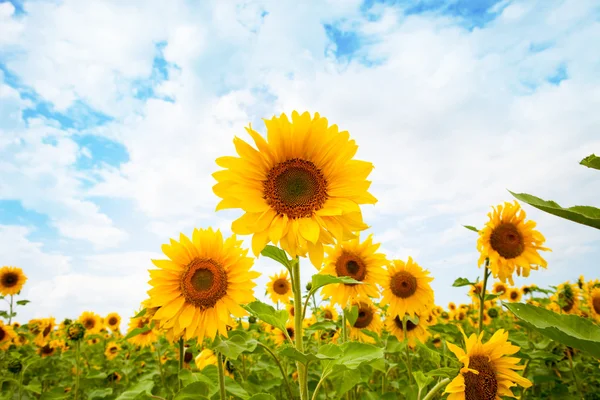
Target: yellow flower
[
  {"x": 112, "y": 349},
  {"x": 203, "y": 282},
  {"x": 290, "y": 309},
  {"x": 207, "y": 357},
  {"x": 406, "y": 288},
  {"x": 594, "y": 303},
  {"x": 49, "y": 348},
  {"x": 486, "y": 374},
  {"x": 368, "y": 319},
  {"x": 279, "y": 287},
  {"x": 413, "y": 332},
  {"x": 114, "y": 377},
  {"x": 358, "y": 261},
  {"x": 329, "y": 312},
  {"x": 91, "y": 321},
  {"x": 113, "y": 321},
  {"x": 146, "y": 338},
  {"x": 301, "y": 188},
  {"x": 567, "y": 298},
  {"x": 451, "y": 306},
  {"x": 501, "y": 289},
  {"x": 12, "y": 280},
  {"x": 7, "y": 333},
  {"x": 514, "y": 295},
  {"x": 44, "y": 329},
  {"x": 510, "y": 243},
  {"x": 279, "y": 336},
  {"x": 476, "y": 289}
]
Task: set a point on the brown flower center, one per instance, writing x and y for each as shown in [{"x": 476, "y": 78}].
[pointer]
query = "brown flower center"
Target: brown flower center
[
  {"x": 514, "y": 295},
  {"x": 281, "y": 286},
  {"x": 409, "y": 324},
  {"x": 188, "y": 356},
  {"x": 296, "y": 188},
  {"x": 89, "y": 323},
  {"x": 350, "y": 265},
  {"x": 290, "y": 332},
  {"x": 47, "y": 349},
  {"x": 567, "y": 297},
  {"x": 113, "y": 349},
  {"x": 2, "y": 334},
  {"x": 292, "y": 311},
  {"x": 46, "y": 330},
  {"x": 499, "y": 289},
  {"x": 112, "y": 321},
  {"x": 10, "y": 279},
  {"x": 596, "y": 303},
  {"x": 365, "y": 316},
  {"x": 403, "y": 284},
  {"x": 507, "y": 240},
  {"x": 328, "y": 314},
  {"x": 204, "y": 283},
  {"x": 482, "y": 386}
]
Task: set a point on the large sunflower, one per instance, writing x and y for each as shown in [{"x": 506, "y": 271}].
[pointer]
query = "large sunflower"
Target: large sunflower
[
  {"x": 358, "y": 261},
  {"x": 368, "y": 319},
  {"x": 414, "y": 331},
  {"x": 510, "y": 243},
  {"x": 406, "y": 288},
  {"x": 279, "y": 287},
  {"x": 12, "y": 280},
  {"x": 204, "y": 281},
  {"x": 113, "y": 321},
  {"x": 7, "y": 334},
  {"x": 91, "y": 321},
  {"x": 486, "y": 374},
  {"x": 299, "y": 190}
]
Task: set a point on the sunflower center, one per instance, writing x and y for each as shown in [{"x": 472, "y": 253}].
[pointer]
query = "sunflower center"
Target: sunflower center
[
  {"x": 329, "y": 315},
  {"x": 10, "y": 279},
  {"x": 188, "y": 356},
  {"x": 365, "y": 316},
  {"x": 482, "y": 386},
  {"x": 290, "y": 332},
  {"x": 47, "y": 349},
  {"x": 507, "y": 240},
  {"x": 292, "y": 311},
  {"x": 596, "y": 304},
  {"x": 514, "y": 295},
  {"x": 89, "y": 323},
  {"x": 2, "y": 334},
  {"x": 403, "y": 284},
  {"x": 409, "y": 324},
  {"x": 500, "y": 289},
  {"x": 281, "y": 286},
  {"x": 295, "y": 188},
  {"x": 113, "y": 349},
  {"x": 204, "y": 282},
  {"x": 113, "y": 321},
  {"x": 350, "y": 265}
]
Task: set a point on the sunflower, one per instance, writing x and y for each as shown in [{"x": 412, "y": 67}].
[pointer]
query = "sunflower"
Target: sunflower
[
  {"x": 500, "y": 289},
  {"x": 113, "y": 377},
  {"x": 594, "y": 303},
  {"x": 510, "y": 244},
  {"x": 91, "y": 321},
  {"x": 414, "y": 331},
  {"x": 113, "y": 321},
  {"x": 279, "y": 287},
  {"x": 358, "y": 261},
  {"x": 301, "y": 188},
  {"x": 188, "y": 356},
  {"x": 514, "y": 295},
  {"x": 329, "y": 312},
  {"x": 207, "y": 357},
  {"x": 19, "y": 340},
  {"x": 437, "y": 341},
  {"x": 567, "y": 298},
  {"x": 368, "y": 319},
  {"x": 406, "y": 288},
  {"x": 45, "y": 328},
  {"x": 290, "y": 309},
  {"x": 7, "y": 333},
  {"x": 476, "y": 289},
  {"x": 49, "y": 348},
  {"x": 487, "y": 374},
  {"x": 146, "y": 338},
  {"x": 16, "y": 325},
  {"x": 112, "y": 350},
  {"x": 205, "y": 280},
  {"x": 280, "y": 337},
  {"x": 451, "y": 306},
  {"x": 12, "y": 280}
]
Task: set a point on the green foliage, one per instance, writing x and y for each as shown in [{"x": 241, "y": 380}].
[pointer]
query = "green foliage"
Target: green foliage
[
  {"x": 236, "y": 344},
  {"x": 471, "y": 228},
  {"x": 459, "y": 282},
  {"x": 591, "y": 161},
  {"x": 267, "y": 313},
  {"x": 275, "y": 253}
]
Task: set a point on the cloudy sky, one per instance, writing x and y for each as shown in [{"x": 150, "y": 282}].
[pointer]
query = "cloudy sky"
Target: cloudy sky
[{"x": 113, "y": 112}]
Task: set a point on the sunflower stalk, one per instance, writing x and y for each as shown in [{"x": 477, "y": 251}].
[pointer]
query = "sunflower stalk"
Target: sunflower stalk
[
  {"x": 436, "y": 388},
  {"x": 298, "y": 328},
  {"x": 10, "y": 315},
  {"x": 220, "y": 361},
  {"x": 408, "y": 361},
  {"x": 77, "y": 368},
  {"x": 180, "y": 361},
  {"x": 283, "y": 373},
  {"x": 486, "y": 274}
]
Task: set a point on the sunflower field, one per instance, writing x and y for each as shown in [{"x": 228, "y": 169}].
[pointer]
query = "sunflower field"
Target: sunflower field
[{"x": 365, "y": 326}]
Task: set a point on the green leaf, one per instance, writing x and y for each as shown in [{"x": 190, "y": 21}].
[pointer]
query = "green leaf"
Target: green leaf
[
  {"x": 268, "y": 314},
  {"x": 422, "y": 380},
  {"x": 461, "y": 282},
  {"x": 570, "y": 330},
  {"x": 591, "y": 161},
  {"x": 140, "y": 314},
  {"x": 195, "y": 390},
  {"x": 100, "y": 393},
  {"x": 346, "y": 381},
  {"x": 57, "y": 393},
  {"x": 471, "y": 228},
  {"x": 23, "y": 302},
  {"x": 445, "y": 372},
  {"x": 278, "y": 255},
  {"x": 490, "y": 296},
  {"x": 355, "y": 353},
  {"x": 144, "y": 386},
  {"x": 34, "y": 387},
  {"x": 322, "y": 326},
  {"x": 234, "y": 388},
  {"x": 304, "y": 358},
  {"x": 96, "y": 375},
  {"x": 351, "y": 314},
  {"x": 262, "y": 396},
  {"x": 319, "y": 280},
  {"x": 137, "y": 331},
  {"x": 584, "y": 215},
  {"x": 235, "y": 345}
]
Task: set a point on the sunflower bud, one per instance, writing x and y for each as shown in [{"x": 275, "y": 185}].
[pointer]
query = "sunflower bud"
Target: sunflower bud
[
  {"x": 493, "y": 313},
  {"x": 15, "y": 366},
  {"x": 252, "y": 319},
  {"x": 309, "y": 286},
  {"x": 75, "y": 331}
]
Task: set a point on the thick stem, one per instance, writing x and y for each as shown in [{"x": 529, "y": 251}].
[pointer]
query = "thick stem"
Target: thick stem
[
  {"x": 486, "y": 274},
  {"x": 298, "y": 317},
  {"x": 283, "y": 373},
  {"x": 221, "y": 376},
  {"x": 11, "y": 310},
  {"x": 181, "y": 356},
  {"x": 408, "y": 362},
  {"x": 435, "y": 389}
]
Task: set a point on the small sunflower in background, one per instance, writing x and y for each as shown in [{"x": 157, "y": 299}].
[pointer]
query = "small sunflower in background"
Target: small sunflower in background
[
  {"x": 368, "y": 319},
  {"x": 113, "y": 321},
  {"x": 475, "y": 290},
  {"x": 501, "y": 289},
  {"x": 7, "y": 333},
  {"x": 204, "y": 280},
  {"x": 12, "y": 280},
  {"x": 147, "y": 337},
  {"x": 49, "y": 349},
  {"x": 300, "y": 188},
  {"x": 487, "y": 374},
  {"x": 527, "y": 289},
  {"x": 91, "y": 321},
  {"x": 594, "y": 303},
  {"x": 279, "y": 336},
  {"x": 567, "y": 298},
  {"x": 514, "y": 295},
  {"x": 112, "y": 350},
  {"x": 113, "y": 377},
  {"x": 406, "y": 288},
  {"x": 414, "y": 330},
  {"x": 291, "y": 309},
  {"x": 356, "y": 260},
  {"x": 451, "y": 306},
  {"x": 208, "y": 357},
  {"x": 329, "y": 313},
  {"x": 510, "y": 243},
  {"x": 279, "y": 288}
]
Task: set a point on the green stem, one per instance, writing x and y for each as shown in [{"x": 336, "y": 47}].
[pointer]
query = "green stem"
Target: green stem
[
  {"x": 486, "y": 274},
  {"x": 573, "y": 371},
  {"x": 344, "y": 327},
  {"x": 77, "y": 368},
  {"x": 408, "y": 362},
  {"x": 321, "y": 381},
  {"x": 244, "y": 376},
  {"x": 221, "y": 376},
  {"x": 435, "y": 389},
  {"x": 162, "y": 375},
  {"x": 283, "y": 373},
  {"x": 181, "y": 356},
  {"x": 11, "y": 310},
  {"x": 298, "y": 317}
]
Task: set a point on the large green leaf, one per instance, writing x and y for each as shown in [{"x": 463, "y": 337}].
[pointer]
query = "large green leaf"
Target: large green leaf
[
  {"x": 591, "y": 161},
  {"x": 275, "y": 253},
  {"x": 355, "y": 353},
  {"x": 265, "y": 312},
  {"x": 262, "y": 396},
  {"x": 304, "y": 358},
  {"x": 144, "y": 386},
  {"x": 322, "y": 326},
  {"x": 138, "y": 331},
  {"x": 195, "y": 390},
  {"x": 459, "y": 282},
  {"x": 570, "y": 330},
  {"x": 235, "y": 345},
  {"x": 585, "y": 215}
]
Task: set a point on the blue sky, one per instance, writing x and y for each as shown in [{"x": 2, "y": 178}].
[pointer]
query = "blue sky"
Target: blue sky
[{"x": 111, "y": 117}]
